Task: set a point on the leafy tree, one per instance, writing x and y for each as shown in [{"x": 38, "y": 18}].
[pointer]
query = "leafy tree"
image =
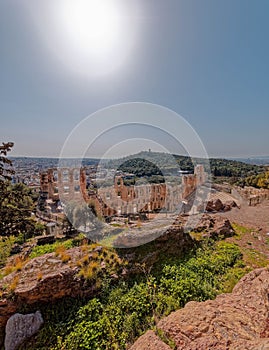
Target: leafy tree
[
  {"x": 5, "y": 164},
  {"x": 16, "y": 204},
  {"x": 259, "y": 181}
]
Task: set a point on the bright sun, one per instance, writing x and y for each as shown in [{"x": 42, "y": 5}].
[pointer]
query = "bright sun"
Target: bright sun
[
  {"x": 93, "y": 26},
  {"x": 93, "y": 34}
]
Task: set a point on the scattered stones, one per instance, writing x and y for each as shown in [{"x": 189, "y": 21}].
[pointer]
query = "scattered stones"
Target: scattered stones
[
  {"x": 214, "y": 205},
  {"x": 229, "y": 205},
  {"x": 215, "y": 226}
]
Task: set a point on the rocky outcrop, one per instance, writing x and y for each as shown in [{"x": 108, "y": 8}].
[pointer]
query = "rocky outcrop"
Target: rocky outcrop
[
  {"x": 173, "y": 242},
  {"x": 150, "y": 341},
  {"x": 217, "y": 205},
  {"x": 235, "y": 321},
  {"x": 214, "y": 205},
  {"x": 215, "y": 226},
  {"x": 20, "y": 327},
  {"x": 161, "y": 231},
  {"x": 52, "y": 276},
  {"x": 44, "y": 279}
]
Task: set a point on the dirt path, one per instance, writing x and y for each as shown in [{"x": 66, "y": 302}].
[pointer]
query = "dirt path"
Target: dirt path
[
  {"x": 255, "y": 217},
  {"x": 257, "y": 238}
]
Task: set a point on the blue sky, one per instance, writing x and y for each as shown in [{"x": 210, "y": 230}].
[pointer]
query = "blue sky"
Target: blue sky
[{"x": 205, "y": 59}]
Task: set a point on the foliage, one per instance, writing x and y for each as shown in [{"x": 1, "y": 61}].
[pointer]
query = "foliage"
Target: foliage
[
  {"x": 50, "y": 248},
  {"x": 140, "y": 167},
  {"x": 259, "y": 181},
  {"x": 16, "y": 203},
  {"x": 152, "y": 165},
  {"x": 5, "y": 164},
  {"x": 240, "y": 230},
  {"x": 16, "y": 207},
  {"x": 96, "y": 264},
  {"x": 122, "y": 312},
  {"x": 6, "y": 244}
]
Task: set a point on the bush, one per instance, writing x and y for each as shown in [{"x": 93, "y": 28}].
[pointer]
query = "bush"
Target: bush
[
  {"x": 6, "y": 244},
  {"x": 50, "y": 248},
  {"x": 123, "y": 312}
]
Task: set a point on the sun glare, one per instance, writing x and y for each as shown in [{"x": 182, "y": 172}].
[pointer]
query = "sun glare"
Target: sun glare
[
  {"x": 93, "y": 33},
  {"x": 93, "y": 26}
]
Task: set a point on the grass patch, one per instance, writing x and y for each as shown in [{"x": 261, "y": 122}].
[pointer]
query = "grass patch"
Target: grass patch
[
  {"x": 160, "y": 333},
  {"x": 51, "y": 248},
  {"x": 126, "y": 309},
  {"x": 90, "y": 263},
  {"x": 13, "y": 284},
  {"x": 16, "y": 266},
  {"x": 240, "y": 230},
  {"x": 253, "y": 258}
]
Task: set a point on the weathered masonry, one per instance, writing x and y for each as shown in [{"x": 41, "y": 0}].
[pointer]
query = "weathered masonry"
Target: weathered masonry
[{"x": 70, "y": 184}]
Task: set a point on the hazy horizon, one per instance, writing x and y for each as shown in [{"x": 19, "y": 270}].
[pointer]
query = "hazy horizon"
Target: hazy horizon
[{"x": 98, "y": 158}]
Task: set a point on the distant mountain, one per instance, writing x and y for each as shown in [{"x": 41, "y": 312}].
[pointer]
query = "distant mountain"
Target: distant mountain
[
  {"x": 139, "y": 164},
  {"x": 260, "y": 160},
  {"x": 147, "y": 163}
]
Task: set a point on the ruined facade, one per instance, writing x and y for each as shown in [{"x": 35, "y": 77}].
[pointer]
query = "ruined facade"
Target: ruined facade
[
  {"x": 252, "y": 195},
  {"x": 191, "y": 181},
  {"x": 121, "y": 199},
  {"x": 70, "y": 184},
  {"x": 65, "y": 184}
]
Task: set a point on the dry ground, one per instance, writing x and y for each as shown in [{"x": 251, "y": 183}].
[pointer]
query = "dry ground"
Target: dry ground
[{"x": 255, "y": 238}]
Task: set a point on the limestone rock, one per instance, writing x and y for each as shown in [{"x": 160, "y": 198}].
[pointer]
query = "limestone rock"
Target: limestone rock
[
  {"x": 150, "y": 341},
  {"x": 214, "y": 205},
  {"x": 214, "y": 226},
  {"x": 234, "y": 321},
  {"x": 20, "y": 327},
  {"x": 222, "y": 227},
  {"x": 57, "y": 280},
  {"x": 229, "y": 205}
]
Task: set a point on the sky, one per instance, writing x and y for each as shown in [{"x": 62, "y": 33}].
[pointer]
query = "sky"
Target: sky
[{"x": 206, "y": 60}]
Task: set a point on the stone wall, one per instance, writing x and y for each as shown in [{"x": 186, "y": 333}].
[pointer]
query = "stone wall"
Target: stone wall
[
  {"x": 252, "y": 195},
  {"x": 69, "y": 184},
  {"x": 121, "y": 199},
  {"x": 191, "y": 181},
  {"x": 65, "y": 184}
]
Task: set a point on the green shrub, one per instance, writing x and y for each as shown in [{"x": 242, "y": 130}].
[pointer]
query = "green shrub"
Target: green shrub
[
  {"x": 6, "y": 244},
  {"x": 50, "y": 248},
  {"x": 124, "y": 311}
]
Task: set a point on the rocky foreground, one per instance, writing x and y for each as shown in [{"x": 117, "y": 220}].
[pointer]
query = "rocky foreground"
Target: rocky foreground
[{"x": 237, "y": 321}]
